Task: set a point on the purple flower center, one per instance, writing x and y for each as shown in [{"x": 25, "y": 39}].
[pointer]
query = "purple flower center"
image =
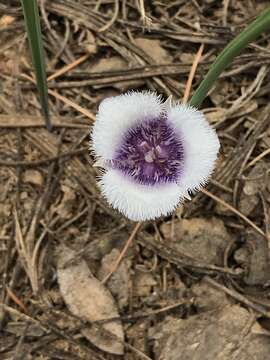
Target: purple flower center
[{"x": 151, "y": 153}]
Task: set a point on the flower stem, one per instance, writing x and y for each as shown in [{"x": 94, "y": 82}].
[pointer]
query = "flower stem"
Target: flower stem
[{"x": 252, "y": 32}]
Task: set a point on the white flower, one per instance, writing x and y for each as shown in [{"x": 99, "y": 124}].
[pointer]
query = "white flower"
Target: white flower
[{"x": 154, "y": 154}]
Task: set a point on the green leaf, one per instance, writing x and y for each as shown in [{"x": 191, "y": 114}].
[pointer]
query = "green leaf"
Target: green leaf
[
  {"x": 32, "y": 21},
  {"x": 252, "y": 32}
]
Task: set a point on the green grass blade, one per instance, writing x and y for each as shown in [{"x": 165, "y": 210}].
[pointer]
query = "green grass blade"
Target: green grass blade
[
  {"x": 32, "y": 21},
  {"x": 252, "y": 32}
]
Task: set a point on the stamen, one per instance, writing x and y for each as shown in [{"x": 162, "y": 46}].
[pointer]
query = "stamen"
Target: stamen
[
  {"x": 149, "y": 157},
  {"x": 151, "y": 153}
]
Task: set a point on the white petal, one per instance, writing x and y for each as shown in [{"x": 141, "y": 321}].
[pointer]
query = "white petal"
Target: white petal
[
  {"x": 139, "y": 202},
  {"x": 200, "y": 144},
  {"x": 116, "y": 115}
]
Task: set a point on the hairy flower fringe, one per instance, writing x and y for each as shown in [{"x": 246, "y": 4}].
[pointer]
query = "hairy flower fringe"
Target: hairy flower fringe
[{"x": 116, "y": 117}]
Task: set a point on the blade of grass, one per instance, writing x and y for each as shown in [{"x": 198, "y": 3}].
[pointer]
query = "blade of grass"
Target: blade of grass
[
  {"x": 32, "y": 21},
  {"x": 252, "y": 32}
]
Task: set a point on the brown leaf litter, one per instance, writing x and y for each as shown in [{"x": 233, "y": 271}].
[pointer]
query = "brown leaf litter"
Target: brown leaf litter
[
  {"x": 195, "y": 283},
  {"x": 89, "y": 300}
]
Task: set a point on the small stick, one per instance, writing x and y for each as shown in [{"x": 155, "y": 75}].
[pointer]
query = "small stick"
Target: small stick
[
  {"x": 68, "y": 67},
  {"x": 192, "y": 73},
  {"x": 65, "y": 100},
  {"x": 16, "y": 300},
  {"x": 64, "y": 156},
  {"x": 145, "y": 19},
  {"x": 234, "y": 294},
  {"x": 257, "y": 158},
  {"x": 123, "y": 252},
  {"x": 114, "y": 17},
  {"x": 234, "y": 210}
]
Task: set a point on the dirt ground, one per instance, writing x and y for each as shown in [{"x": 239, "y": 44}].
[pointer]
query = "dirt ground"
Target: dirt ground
[{"x": 191, "y": 286}]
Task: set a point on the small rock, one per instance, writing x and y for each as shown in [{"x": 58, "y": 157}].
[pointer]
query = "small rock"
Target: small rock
[
  {"x": 249, "y": 197},
  {"x": 207, "y": 298},
  {"x": 201, "y": 239},
  {"x": 242, "y": 256},
  {"x": 223, "y": 334},
  {"x": 259, "y": 266},
  {"x": 186, "y": 57},
  {"x": 33, "y": 177},
  {"x": 143, "y": 284}
]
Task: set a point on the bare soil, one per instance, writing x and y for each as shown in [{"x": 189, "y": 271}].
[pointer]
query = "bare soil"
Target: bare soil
[{"x": 191, "y": 286}]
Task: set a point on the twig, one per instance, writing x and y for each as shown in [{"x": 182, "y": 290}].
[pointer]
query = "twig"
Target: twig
[
  {"x": 148, "y": 314},
  {"x": 137, "y": 351},
  {"x": 111, "y": 22},
  {"x": 257, "y": 158},
  {"x": 225, "y": 12},
  {"x": 72, "y": 104},
  {"x": 65, "y": 100},
  {"x": 234, "y": 294},
  {"x": 19, "y": 314},
  {"x": 64, "y": 157},
  {"x": 182, "y": 260},
  {"x": 235, "y": 211},
  {"x": 192, "y": 73},
  {"x": 145, "y": 19},
  {"x": 123, "y": 252},
  {"x": 28, "y": 121},
  {"x": 16, "y": 300},
  {"x": 19, "y": 353},
  {"x": 68, "y": 67}
]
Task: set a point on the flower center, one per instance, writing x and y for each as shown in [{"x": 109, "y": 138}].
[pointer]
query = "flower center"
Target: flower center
[{"x": 150, "y": 153}]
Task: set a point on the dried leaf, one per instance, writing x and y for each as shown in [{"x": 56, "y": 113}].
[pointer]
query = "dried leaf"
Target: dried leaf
[
  {"x": 89, "y": 300},
  {"x": 119, "y": 282}
]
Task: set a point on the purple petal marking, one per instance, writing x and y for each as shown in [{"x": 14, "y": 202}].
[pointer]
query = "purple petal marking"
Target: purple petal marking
[{"x": 151, "y": 153}]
